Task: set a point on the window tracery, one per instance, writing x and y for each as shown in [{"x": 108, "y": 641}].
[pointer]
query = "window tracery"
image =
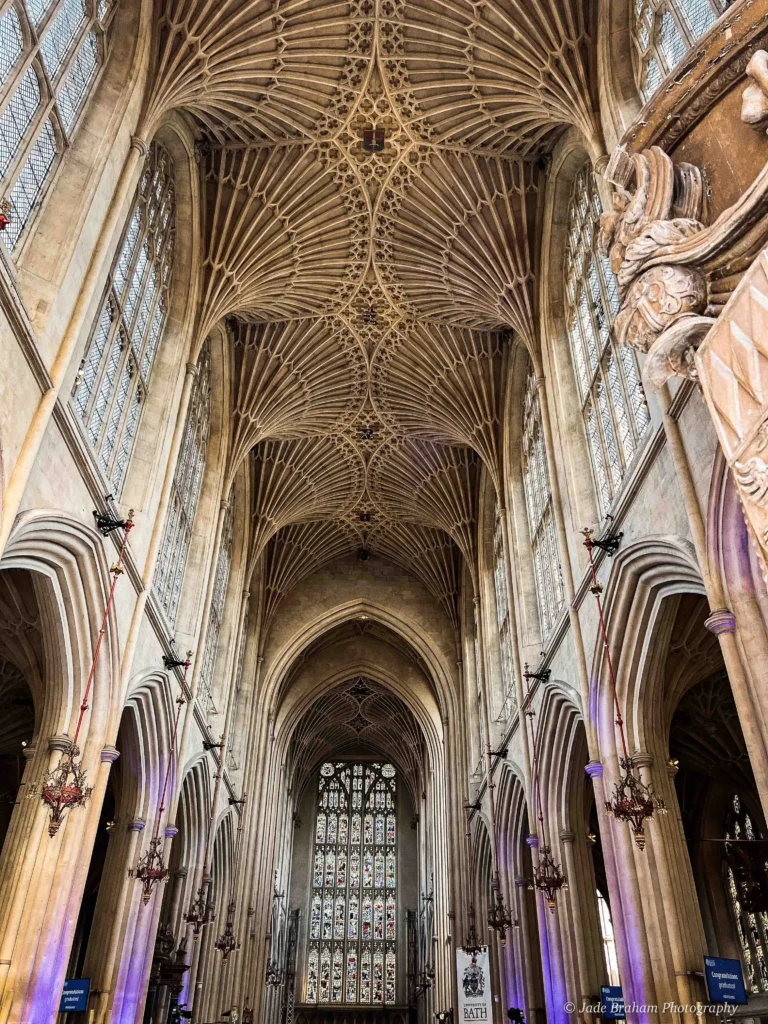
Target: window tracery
[
  {"x": 52, "y": 53},
  {"x": 352, "y": 951},
  {"x": 538, "y": 500},
  {"x": 503, "y": 619},
  {"x": 752, "y": 928},
  {"x": 185, "y": 490},
  {"x": 612, "y": 398},
  {"x": 114, "y": 376},
  {"x": 216, "y": 612},
  {"x": 663, "y": 32}
]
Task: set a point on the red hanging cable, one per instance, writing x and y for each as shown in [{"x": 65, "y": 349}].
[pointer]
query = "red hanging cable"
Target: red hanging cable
[{"x": 116, "y": 571}]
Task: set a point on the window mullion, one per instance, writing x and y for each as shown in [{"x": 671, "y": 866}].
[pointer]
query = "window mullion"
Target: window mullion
[
  {"x": 102, "y": 368},
  {"x": 44, "y": 111}
]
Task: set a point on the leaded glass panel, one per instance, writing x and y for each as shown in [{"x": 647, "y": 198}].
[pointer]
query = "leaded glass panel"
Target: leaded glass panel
[
  {"x": 752, "y": 928},
  {"x": 664, "y": 31},
  {"x": 114, "y": 376},
  {"x": 541, "y": 524},
  {"x": 216, "y": 612},
  {"x": 503, "y": 621},
  {"x": 61, "y": 44},
  {"x": 185, "y": 490},
  {"x": 352, "y": 953},
  {"x": 612, "y": 398}
]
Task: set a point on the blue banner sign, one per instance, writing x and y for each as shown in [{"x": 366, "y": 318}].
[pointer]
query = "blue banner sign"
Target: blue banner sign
[
  {"x": 725, "y": 980},
  {"x": 75, "y": 995},
  {"x": 612, "y": 999}
]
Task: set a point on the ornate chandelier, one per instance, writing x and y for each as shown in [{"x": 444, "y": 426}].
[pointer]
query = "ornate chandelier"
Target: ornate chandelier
[
  {"x": 548, "y": 876},
  {"x": 472, "y": 944},
  {"x": 633, "y": 800},
  {"x": 152, "y": 869},
  {"x": 64, "y": 786},
  {"x": 226, "y": 942},
  {"x": 499, "y": 917},
  {"x": 201, "y": 912}
]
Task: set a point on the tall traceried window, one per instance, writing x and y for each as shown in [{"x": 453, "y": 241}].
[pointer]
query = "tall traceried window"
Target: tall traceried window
[
  {"x": 609, "y": 939},
  {"x": 114, "y": 376},
  {"x": 742, "y": 872},
  {"x": 51, "y": 54},
  {"x": 185, "y": 490},
  {"x": 503, "y": 620},
  {"x": 663, "y": 32},
  {"x": 216, "y": 613},
  {"x": 538, "y": 500},
  {"x": 612, "y": 397},
  {"x": 352, "y": 945}
]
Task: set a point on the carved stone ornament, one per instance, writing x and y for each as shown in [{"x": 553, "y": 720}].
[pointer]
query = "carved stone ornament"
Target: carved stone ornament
[{"x": 674, "y": 273}]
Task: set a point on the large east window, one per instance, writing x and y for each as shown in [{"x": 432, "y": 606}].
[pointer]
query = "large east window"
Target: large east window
[
  {"x": 50, "y": 56},
  {"x": 352, "y": 945},
  {"x": 114, "y": 377},
  {"x": 663, "y": 32},
  {"x": 185, "y": 490},
  {"x": 612, "y": 397},
  {"x": 538, "y": 500}
]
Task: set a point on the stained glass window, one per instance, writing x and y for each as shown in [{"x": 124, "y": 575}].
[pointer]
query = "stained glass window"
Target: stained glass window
[
  {"x": 541, "y": 523},
  {"x": 115, "y": 373},
  {"x": 503, "y": 620},
  {"x": 50, "y": 56},
  {"x": 609, "y": 941},
  {"x": 352, "y": 955},
  {"x": 216, "y": 613},
  {"x": 185, "y": 490},
  {"x": 612, "y": 397},
  {"x": 752, "y": 927},
  {"x": 664, "y": 31}
]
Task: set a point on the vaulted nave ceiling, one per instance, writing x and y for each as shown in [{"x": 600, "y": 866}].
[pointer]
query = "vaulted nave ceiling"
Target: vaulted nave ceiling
[{"x": 373, "y": 181}]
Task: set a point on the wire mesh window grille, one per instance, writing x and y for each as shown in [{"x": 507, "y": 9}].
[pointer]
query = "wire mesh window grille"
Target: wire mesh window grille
[
  {"x": 752, "y": 928},
  {"x": 114, "y": 376},
  {"x": 185, "y": 490},
  {"x": 503, "y": 621},
  {"x": 51, "y": 52},
  {"x": 663, "y": 32},
  {"x": 353, "y": 916},
  {"x": 612, "y": 398},
  {"x": 216, "y": 613},
  {"x": 541, "y": 523}
]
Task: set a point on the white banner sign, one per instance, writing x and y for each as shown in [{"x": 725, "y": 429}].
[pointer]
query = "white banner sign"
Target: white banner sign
[{"x": 474, "y": 986}]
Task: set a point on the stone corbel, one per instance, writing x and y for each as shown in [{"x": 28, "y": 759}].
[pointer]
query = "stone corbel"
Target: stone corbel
[{"x": 667, "y": 263}]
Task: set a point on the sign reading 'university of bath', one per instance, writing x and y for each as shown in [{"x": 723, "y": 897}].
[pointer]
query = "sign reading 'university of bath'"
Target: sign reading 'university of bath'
[{"x": 474, "y": 979}]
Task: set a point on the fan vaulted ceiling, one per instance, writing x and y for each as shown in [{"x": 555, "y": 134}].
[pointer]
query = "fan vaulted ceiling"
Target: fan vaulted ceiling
[{"x": 373, "y": 174}]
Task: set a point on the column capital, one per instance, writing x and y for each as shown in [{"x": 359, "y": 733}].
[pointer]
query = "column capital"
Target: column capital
[
  {"x": 567, "y": 835},
  {"x": 109, "y": 754},
  {"x": 594, "y": 769},
  {"x": 140, "y": 144},
  {"x": 224, "y": 505},
  {"x": 721, "y": 621},
  {"x": 642, "y": 759},
  {"x": 136, "y": 825},
  {"x": 171, "y": 831},
  {"x": 192, "y": 369},
  {"x": 539, "y": 383},
  {"x": 28, "y": 752},
  {"x": 60, "y": 742},
  {"x": 533, "y": 842},
  {"x": 521, "y": 883},
  {"x": 181, "y": 872}
]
